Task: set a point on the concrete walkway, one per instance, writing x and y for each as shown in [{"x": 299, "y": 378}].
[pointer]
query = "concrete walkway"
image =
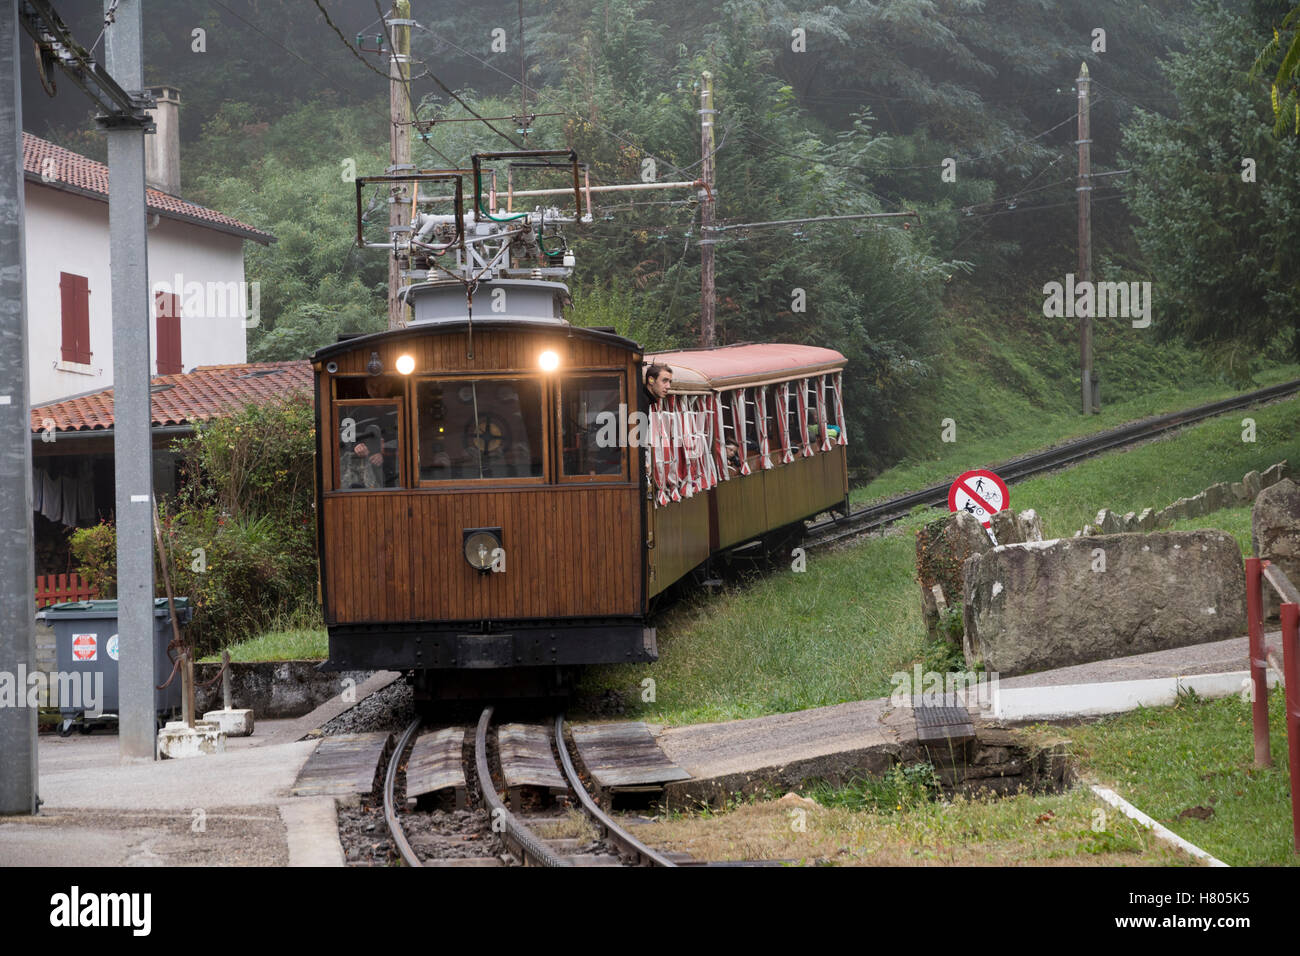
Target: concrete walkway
[{"x": 784, "y": 749}]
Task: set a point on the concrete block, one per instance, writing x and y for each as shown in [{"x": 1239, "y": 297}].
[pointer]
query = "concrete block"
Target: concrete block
[
  {"x": 233, "y": 722},
  {"x": 178, "y": 741}
]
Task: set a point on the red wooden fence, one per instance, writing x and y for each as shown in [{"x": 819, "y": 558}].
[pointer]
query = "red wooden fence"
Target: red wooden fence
[
  {"x": 56, "y": 588},
  {"x": 1259, "y": 572}
]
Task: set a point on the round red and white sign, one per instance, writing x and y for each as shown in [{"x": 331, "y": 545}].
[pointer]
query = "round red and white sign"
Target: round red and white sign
[
  {"x": 980, "y": 493},
  {"x": 84, "y": 647}
]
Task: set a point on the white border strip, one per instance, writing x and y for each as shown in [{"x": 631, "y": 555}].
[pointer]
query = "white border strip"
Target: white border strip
[
  {"x": 1161, "y": 832},
  {"x": 1113, "y": 697}
]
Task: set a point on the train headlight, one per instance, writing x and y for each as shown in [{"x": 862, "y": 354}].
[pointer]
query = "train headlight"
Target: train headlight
[
  {"x": 549, "y": 361},
  {"x": 405, "y": 364},
  {"x": 482, "y": 547}
]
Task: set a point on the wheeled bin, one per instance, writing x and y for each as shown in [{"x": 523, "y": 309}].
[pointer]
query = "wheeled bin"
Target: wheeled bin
[{"x": 85, "y": 635}]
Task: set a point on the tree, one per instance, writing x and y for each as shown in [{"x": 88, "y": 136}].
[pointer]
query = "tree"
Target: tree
[
  {"x": 1214, "y": 193},
  {"x": 1285, "y": 89}
]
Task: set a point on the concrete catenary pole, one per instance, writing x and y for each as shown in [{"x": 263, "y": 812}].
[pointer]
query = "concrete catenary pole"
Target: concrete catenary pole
[
  {"x": 17, "y": 571},
  {"x": 132, "y": 447},
  {"x": 708, "y": 291},
  {"x": 1084, "y": 191},
  {"x": 399, "y": 146}
]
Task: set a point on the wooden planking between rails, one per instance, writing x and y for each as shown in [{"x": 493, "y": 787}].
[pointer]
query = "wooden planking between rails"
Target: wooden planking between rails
[{"x": 570, "y": 552}]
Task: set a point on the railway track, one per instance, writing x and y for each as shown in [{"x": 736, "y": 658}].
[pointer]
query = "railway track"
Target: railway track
[
  {"x": 541, "y": 781},
  {"x": 822, "y": 533}
]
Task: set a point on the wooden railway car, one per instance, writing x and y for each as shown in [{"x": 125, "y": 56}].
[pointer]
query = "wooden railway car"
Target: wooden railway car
[
  {"x": 473, "y": 527},
  {"x": 497, "y": 502}
]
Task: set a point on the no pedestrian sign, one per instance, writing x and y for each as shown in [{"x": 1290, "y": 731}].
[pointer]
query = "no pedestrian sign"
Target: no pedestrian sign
[{"x": 980, "y": 493}]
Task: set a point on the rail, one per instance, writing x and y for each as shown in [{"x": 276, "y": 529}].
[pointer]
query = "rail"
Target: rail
[
  {"x": 518, "y": 838},
  {"x": 1259, "y": 571},
  {"x": 404, "y": 848},
  {"x": 1017, "y": 469},
  {"x": 608, "y": 828}
]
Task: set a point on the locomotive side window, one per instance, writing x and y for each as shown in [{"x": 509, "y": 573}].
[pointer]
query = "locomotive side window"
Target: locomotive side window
[
  {"x": 479, "y": 429},
  {"x": 590, "y": 440},
  {"x": 368, "y": 446}
]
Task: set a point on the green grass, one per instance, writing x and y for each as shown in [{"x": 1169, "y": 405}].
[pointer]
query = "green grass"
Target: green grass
[
  {"x": 298, "y": 644},
  {"x": 1235, "y": 521},
  {"x": 1008, "y": 379},
  {"x": 1198, "y": 753},
  {"x": 837, "y": 631}
]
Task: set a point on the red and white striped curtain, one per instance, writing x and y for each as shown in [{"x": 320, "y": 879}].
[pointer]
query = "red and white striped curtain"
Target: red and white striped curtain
[
  {"x": 783, "y": 422},
  {"x": 714, "y": 405},
  {"x": 839, "y": 408},
  {"x": 659, "y": 452},
  {"x": 742, "y": 429},
  {"x": 801, "y": 409},
  {"x": 704, "y": 419},
  {"x": 686, "y": 477},
  {"x": 822, "y": 428},
  {"x": 760, "y": 413}
]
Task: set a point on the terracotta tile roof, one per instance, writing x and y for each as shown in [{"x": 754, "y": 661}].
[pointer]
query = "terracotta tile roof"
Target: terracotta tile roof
[
  {"x": 206, "y": 392},
  {"x": 60, "y": 168}
]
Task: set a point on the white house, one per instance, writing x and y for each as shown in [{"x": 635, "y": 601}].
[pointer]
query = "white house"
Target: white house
[{"x": 196, "y": 268}]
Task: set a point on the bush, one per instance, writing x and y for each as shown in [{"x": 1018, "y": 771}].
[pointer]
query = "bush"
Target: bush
[{"x": 239, "y": 536}]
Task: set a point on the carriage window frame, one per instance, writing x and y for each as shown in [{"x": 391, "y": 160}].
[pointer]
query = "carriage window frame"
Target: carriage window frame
[
  {"x": 403, "y": 483},
  {"x": 561, "y": 478},
  {"x": 504, "y": 374}
]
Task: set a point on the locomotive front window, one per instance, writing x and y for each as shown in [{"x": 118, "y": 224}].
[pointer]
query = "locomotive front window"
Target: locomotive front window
[
  {"x": 591, "y": 439},
  {"x": 369, "y": 453},
  {"x": 479, "y": 429}
]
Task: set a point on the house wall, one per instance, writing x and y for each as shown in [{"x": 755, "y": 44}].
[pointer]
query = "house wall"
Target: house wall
[{"x": 69, "y": 233}]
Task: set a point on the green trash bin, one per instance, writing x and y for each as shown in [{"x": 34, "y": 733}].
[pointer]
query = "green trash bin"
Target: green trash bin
[{"x": 88, "y": 651}]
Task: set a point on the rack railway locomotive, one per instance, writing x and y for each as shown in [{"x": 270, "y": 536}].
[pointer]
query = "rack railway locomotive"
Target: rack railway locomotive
[{"x": 498, "y": 502}]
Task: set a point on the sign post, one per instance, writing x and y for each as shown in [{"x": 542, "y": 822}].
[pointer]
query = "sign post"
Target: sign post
[{"x": 980, "y": 493}]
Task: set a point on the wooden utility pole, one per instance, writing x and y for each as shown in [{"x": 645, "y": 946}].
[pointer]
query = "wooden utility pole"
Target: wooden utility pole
[
  {"x": 399, "y": 146},
  {"x": 1084, "y": 191},
  {"x": 708, "y": 294}
]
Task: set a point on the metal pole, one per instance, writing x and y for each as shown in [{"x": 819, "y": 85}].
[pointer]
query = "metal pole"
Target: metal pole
[
  {"x": 132, "y": 444},
  {"x": 399, "y": 148},
  {"x": 708, "y": 293},
  {"x": 1291, "y": 665},
  {"x": 18, "y": 764},
  {"x": 1258, "y": 664},
  {"x": 1084, "y": 190}
]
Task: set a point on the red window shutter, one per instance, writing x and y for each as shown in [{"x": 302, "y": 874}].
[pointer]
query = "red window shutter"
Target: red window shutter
[
  {"x": 74, "y": 300},
  {"x": 167, "y": 308}
]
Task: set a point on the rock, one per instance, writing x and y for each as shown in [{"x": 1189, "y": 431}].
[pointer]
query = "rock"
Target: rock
[
  {"x": 1217, "y": 497},
  {"x": 1031, "y": 526},
  {"x": 942, "y": 547},
  {"x": 1239, "y": 491},
  {"x": 1088, "y": 530},
  {"x": 794, "y": 800},
  {"x": 1273, "y": 474},
  {"x": 1034, "y": 606},
  {"x": 1252, "y": 484},
  {"x": 1146, "y": 521},
  {"x": 1129, "y": 521},
  {"x": 1108, "y": 522},
  {"x": 1275, "y": 534},
  {"x": 1197, "y": 506},
  {"x": 1166, "y": 517},
  {"x": 1005, "y": 528}
]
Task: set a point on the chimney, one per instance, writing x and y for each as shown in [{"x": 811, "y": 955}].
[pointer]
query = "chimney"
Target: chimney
[{"x": 162, "y": 152}]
